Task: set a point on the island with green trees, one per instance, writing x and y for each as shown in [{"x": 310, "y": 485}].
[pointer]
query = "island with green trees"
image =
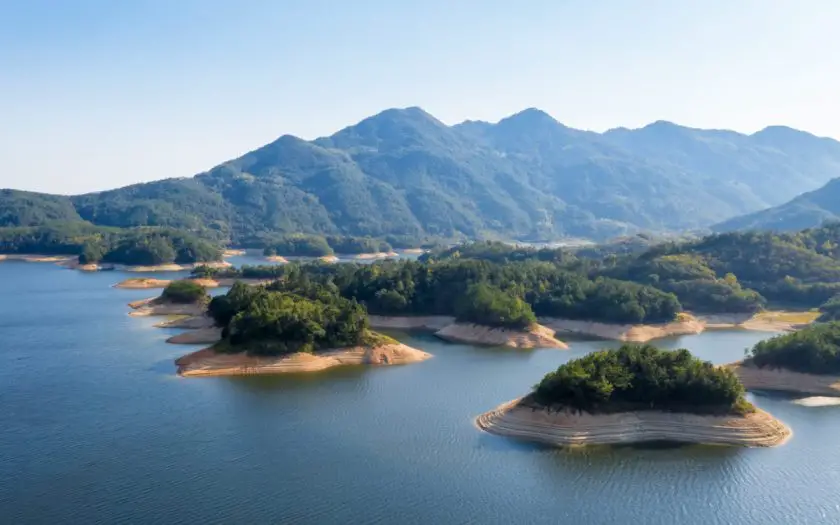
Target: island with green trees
[
  {"x": 294, "y": 327},
  {"x": 183, "y": 297},
  {"x": 802, "y": 362},
  {"x": 636, "y": 393}
]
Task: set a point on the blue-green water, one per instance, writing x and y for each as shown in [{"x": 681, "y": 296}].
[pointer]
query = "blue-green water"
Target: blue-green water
[{"x": 96, "y": 428}]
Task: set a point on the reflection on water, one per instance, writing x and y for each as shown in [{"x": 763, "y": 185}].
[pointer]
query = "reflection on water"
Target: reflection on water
[{"x": 98, "y": 429}]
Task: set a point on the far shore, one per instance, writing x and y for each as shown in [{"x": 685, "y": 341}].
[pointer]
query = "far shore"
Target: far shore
[
  {"x": 34, "y": 257},
  {"x": 147, "y": 283},
  {"x": 72, "y": 261},
  {"x": 208, "y": 362},
  {"x": 783, "y": 380},
  {"x": 565, "y": 428},
  {"x": 536, "y": 336}
]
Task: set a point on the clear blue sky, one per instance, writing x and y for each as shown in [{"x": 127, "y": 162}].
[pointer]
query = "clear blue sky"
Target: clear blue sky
[{"x": 96, "y": 94}]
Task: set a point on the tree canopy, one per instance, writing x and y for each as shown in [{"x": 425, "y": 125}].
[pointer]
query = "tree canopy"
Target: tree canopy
[
  {"x": 184, "y": 291},
  {"x": 641, "y": 377},
  {"x": 811, "y": 350}
]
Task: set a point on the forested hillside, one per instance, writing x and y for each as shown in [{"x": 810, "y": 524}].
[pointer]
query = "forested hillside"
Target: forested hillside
[{"x": 404, "y": 173}]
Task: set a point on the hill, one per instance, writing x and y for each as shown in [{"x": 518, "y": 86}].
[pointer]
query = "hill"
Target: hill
[
  {"x": 404, "y": 173},
  {"x": 805, "y": 211}
]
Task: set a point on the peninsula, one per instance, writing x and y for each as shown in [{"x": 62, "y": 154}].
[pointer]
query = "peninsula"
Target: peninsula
[
  {"x": 633, "y": 394},
  {"x": 303, "y": 328},
  {"x": 803, "y": 362}
]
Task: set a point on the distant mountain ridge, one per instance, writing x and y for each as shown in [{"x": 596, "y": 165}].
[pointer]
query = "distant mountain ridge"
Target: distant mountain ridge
[
  {"x": 403, "y": 172},
  {"x": 808, "y": 210}
]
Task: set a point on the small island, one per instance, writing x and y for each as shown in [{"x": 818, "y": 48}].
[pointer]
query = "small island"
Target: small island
[
  {"x": 803, "y": 362},
  {"x": 636, "y": 393},
  {"x": 184, "y": 297},
  {"x": 301, "y": 327}
]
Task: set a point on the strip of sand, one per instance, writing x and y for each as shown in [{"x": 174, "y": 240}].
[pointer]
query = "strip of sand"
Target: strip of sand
[
  {"x": 156, "y": 306},
  {"x": 536, "y": 336},
  {"x": 634, "y": 333},
  {"x": 233, "y": 253},
  {"x": 563, "y": 428},
  {"x": 146, "y": 283},
  {"x": 192, "y": 322},
  {"x": 770, "y": 321},
  {"x": 782, "y": 380},
  {"x": 32, "y": 257},
  {"x": 197, "y": 336},
  {"x": 208, "y": 362},
  {"x": 276, "y": 259}
]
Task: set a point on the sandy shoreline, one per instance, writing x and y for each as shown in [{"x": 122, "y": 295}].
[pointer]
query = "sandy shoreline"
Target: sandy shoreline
[
  {"x": 537, "y": 336},
  {"x": 276, "y": 259},
  {"x": 563, "y": 428},
  {"x": 197, "y": 336},
  {"x": 638, "y": 333},
  {"x": 33, "y": 257},
  {"x": 782, "y": 380},
  {"x": 156, "y": 306},
  {"x": 147, "y": 283},
  {"x": 208, "y": 362}
]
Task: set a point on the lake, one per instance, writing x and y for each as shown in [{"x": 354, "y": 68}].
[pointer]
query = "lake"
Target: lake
[{"x": 97, "y": 428}]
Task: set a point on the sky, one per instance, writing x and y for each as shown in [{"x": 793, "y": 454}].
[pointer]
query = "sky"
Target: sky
[{"x": 97, "y": 94}]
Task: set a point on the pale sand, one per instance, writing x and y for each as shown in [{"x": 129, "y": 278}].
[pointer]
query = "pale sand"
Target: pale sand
[
  {"x": 414, "y": 250},
  {"x": 155, "y": 306},
  {"x": 207, "y": 362},
  {"x": 537, "y": 336},
  {"x": 31, "y": 257},
  {"x": 276, "y": 259},
  {"x": 563, "y": 428},
  {"x": 144, "y": 283},
  {"x": 197, "y": 336},
  {"x": 420, "y": 322},
  {"x": 762, "y": 322},
  {"x": 232, "y": 253},
  {"x": 638, "y": 333},
  {"x": 192, "y": 322},
  {"x": 783, "y": 380},
  {"x": 172, "y": 267},
  {"x": 329, "y": 259},
  {"x": 377, "y": 255}
]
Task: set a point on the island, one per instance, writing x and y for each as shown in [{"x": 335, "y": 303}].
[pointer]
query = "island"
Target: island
[
  {"x": 183, "y": 298},
  {"x": 147, "y": 283},
  {"x": 304, "y": 327},
  {"x": 803, "y": 362},
  {"x": 636, "y": 393}
]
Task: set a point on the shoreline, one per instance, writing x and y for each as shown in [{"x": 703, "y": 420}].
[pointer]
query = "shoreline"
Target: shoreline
[
  {"x": 630, "y": 333},
  {"x": 148, "y": 283},
  {"x": 537, "y": 336},
  {"x": 208, "y": 362},
  {"x": 153, "y": 306},
  {"x": 564, "y": 428},
  {"x": 783, "y": 380}
]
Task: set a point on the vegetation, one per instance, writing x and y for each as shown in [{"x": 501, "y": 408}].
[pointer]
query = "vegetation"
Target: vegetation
[
  {"x": 403, "y": 173},
  {"x": 812, "y": 350},
  {"x": 486, "y": 305},
  {"x": 137, "y": 246},
  {"x": 299, "y": 245},
  {"x": 184, "y": 291},
  {"x": 642, "y": 377},
  {"x": 499, "y": 252},
  {"x": 830, "y": 310},
  {"x": 277, "y": 322}
]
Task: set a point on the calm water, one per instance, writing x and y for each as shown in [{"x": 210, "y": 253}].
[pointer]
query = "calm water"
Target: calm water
[{"x": 95, "y": 427}]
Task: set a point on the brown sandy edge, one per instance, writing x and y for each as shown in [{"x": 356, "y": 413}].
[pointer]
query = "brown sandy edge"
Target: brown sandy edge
[
  {"x": 631, "y": 333},
  {"x": 782, "y": 380},
  {"x": 34, "y": 257},
  {"x": 154, "y": 306},
  {"x": 759, "y": 429},
  {"x": 147, "y": 283},
  {"x": 208, "y": 362},
  {"x": 536, "y": 336}
]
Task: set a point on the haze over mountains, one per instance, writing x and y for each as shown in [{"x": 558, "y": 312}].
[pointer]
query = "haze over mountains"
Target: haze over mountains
[{"x": 403, "y": 172}]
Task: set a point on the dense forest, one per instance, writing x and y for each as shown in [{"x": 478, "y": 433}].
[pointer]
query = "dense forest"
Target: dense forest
[
  {"x": 93, "y": 244},
  {"x": 184, "y": 291},
  {"x": 317, "y": 246},
  {"x": 812, "y": 350},
  {"x": 439, "y": 288},
  {"x": 641, "y": 377},
  {"x": 306, "y": 318}
]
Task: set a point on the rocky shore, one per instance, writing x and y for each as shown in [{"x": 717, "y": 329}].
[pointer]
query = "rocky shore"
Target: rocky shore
[
  {"x": 208, "y": 362},
  {"x": 782, "y": 380},
  {"x": 518, "y": 420},
  {"x": 537, "y": 336},
  {"x": 631, "y": 333}
]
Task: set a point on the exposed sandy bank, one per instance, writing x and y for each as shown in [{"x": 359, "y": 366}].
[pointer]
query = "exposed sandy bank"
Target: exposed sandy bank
[
  {"x": 638, "y": 333},
  {"x": 233, "y": 253},
  {"x": 197, "y": 336},
  {"x": 192, "y": 322},
  {"x": 512, "y": 419},
  {"x": 414, "y": 250},
  {"x": 761, "y": 322},
  {"x": 145, "y": 283},
  {"x": 783, "y": 380},
  {"x": 427, "y": 322},
  {"x": 31, "y": 257},
  {"x": 207, "y": 362},
  {"x": 377, "y": 255},
  {"x": 329, "y": 259},
  {"x": 537, "y": 336},
  {"x": 172, "y": 267},
  {"x": 157, "y": 306},
  {"x": 276, "y": 259}
]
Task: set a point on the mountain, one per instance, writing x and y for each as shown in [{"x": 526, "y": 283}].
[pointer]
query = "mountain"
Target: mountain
[
  {"x": 403, "y": 172},
  {"x": 805, "y": 211}
]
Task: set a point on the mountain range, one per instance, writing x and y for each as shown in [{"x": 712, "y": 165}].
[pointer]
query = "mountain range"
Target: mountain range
[{"x": 403, "y": 172}]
